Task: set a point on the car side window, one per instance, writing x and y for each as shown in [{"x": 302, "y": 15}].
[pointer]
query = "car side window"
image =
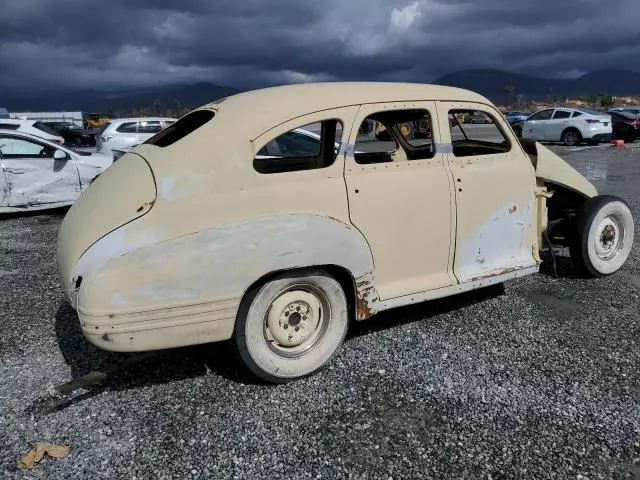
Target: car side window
[
  {"x": 479, "y": 134},
  {"x": 542, "y": 115},
  {"x": 129, "y": 127},
  {"x": 149, "y": 127},
  {"x": 11, "y": 147},
  {"x": 576, "y": 114},
  {"x": 9, "y": 126},
  {"x": 308, "y": 147},
  {"x": 395, "y": 136},
  {"x": 560, "y": 114}
]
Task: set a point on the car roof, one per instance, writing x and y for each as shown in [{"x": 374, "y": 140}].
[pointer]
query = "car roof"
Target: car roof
[
  {"x": 30, "y": 136},
  {"x": 141, "y": 119},
  {"x": 263, "y": 108},
  {"x": 18, "y": 121}
]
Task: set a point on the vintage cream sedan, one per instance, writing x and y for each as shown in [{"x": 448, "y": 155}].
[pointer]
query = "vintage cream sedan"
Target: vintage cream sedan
[{"x": 207, "y": 232}]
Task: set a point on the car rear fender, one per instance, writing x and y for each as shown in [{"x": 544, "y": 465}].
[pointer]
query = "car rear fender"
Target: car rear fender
[{"x": 221, "y": 263}]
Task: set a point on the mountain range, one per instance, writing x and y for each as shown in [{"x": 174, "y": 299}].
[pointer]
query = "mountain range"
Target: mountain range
[
  {"x": 491, "y": 83},
  {"x": 189, "y": 96},
  {"x": 488, "y": 82}
]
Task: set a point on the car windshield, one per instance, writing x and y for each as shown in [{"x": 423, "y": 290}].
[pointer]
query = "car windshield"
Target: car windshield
[
  {"x": 45, "y": 128},
  {"x": 103, "y": 128}
]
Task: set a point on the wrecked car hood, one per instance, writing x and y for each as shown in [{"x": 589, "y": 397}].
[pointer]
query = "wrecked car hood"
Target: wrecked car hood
[{"x": 551, "y": 168}]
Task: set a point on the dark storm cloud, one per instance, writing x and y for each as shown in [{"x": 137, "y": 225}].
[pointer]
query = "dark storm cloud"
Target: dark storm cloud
[{"x": 248, "y": 43}]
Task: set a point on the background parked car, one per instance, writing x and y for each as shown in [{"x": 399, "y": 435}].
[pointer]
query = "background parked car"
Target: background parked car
[
  {"x": 36, "y": 174},
  {"x": 34, "y": 127},
  {"x": 630, "y": 109},
  {"x": 479, "y": 118},
  {"x": 626, "y": 125},
  {"x": 73, "y": 134},
  {"x": 570, "y": 126},
  {"x": 122, "y": 133},
  {"x": 513, "y": 117}
]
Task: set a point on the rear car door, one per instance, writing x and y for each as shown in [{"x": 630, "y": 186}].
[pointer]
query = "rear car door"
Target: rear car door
[
  {"x": 494, "y": 195},
  {"x": 33, "y": 176},
  {"x": 126, "y": 135},
  {"x": 400, "y": 197},
  {"x": 558, "y": 123},
  {"x": 535, "y": 125}
]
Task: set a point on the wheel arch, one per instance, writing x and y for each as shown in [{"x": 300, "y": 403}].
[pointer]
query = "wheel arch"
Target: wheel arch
[
  {"x": 358, "y": 309},
  {"x": 575, "y": 129}
]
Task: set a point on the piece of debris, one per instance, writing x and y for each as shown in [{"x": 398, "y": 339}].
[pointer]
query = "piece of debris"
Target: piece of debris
[{"x": 39, "y": 450}]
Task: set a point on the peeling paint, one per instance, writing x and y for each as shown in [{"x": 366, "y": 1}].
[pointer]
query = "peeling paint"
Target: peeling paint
[
  {"x": 366, "y": 296},
  {"x": 168, "y": 189},
  {"x": 220, "y": 262},
  {"x": 497, "y": 245}
]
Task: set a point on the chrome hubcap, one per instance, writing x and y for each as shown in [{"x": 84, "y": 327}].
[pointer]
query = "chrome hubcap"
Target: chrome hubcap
[
  {"x": 296, "y": 321},
  {"x": 609, "y": 236}
]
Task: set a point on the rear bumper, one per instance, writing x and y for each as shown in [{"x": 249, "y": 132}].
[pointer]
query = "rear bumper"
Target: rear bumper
[
  {"x": 601, "y": 137},
  {"x": 161, "y": 328}
]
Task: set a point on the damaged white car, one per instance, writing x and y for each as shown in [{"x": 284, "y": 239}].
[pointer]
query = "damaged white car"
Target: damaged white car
[
  {"x": 36, "y": 174},
  {"x": 207, "y": 232}
]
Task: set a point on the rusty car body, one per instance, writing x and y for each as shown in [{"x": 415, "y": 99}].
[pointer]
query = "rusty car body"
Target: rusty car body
[{"x": 208, "y": 240}]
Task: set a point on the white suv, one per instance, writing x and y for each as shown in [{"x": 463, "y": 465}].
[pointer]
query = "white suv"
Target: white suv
[
  {"x": 123, "y": 133},
  {"x": 567, "y": 125},
  {"x": 32, "y": 127}
]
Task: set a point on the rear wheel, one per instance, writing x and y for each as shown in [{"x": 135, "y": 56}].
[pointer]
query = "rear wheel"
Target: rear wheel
[
  {"x": 571, "y": 137},
  {"x": 603, "y": 236},
  {"x": 291, "y": 326}
]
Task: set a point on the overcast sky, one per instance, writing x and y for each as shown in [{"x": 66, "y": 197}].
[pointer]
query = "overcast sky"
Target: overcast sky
[{"x": 249, "y": 43}]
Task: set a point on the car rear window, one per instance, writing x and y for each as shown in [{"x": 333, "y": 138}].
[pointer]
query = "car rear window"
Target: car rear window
[
  {"x": 149, "y": 127},
  {"x": 183, "y": 127}
]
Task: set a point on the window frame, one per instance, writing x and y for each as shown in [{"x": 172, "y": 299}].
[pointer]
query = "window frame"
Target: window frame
[
  {"x": 397, "y": 137},
  {"x": 117, "y": 129},
  {"x": 450, "y": 110},
  {"x": 531, "y": 119},
  {"x": 27, "y": 156},
  {"x": 327, "y": 144},
  {"x": 559, "y": 110}
]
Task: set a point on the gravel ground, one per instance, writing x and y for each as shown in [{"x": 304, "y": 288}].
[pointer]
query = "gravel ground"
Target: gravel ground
[{"x": 538, "y": 379}]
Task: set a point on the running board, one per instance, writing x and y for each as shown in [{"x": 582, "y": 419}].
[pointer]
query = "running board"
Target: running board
[{"x": 455, "y": 289}]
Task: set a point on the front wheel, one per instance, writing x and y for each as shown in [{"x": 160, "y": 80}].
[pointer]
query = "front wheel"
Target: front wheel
[
  {"x": 603, "y": 236},
  {"x": 292, "y": 326}
]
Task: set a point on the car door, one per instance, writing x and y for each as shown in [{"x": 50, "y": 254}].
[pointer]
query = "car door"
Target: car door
[
  {"x": 147, "y": 129},
  {"x": 557, "y": 124},
  {"x": 125, "y": 135},
  {"x": 34, "y": 176},
  {"x": 494, "y": 195},
  {"x": 400, "y": 198},
  {"x": 535, "y": 125}
]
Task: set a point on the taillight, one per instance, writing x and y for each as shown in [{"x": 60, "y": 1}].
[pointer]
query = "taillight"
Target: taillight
[
  {"x": 592, "y": 120},
  {"x": 633, "y": 123},
  {"x": 58, "y": 141}
]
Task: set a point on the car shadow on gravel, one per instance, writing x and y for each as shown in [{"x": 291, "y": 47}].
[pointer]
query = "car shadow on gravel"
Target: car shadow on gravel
[
  {"x": 47, "y": 216},
  {"x": 94, "y": 370},
  {"x": 564, "y": 266}
]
